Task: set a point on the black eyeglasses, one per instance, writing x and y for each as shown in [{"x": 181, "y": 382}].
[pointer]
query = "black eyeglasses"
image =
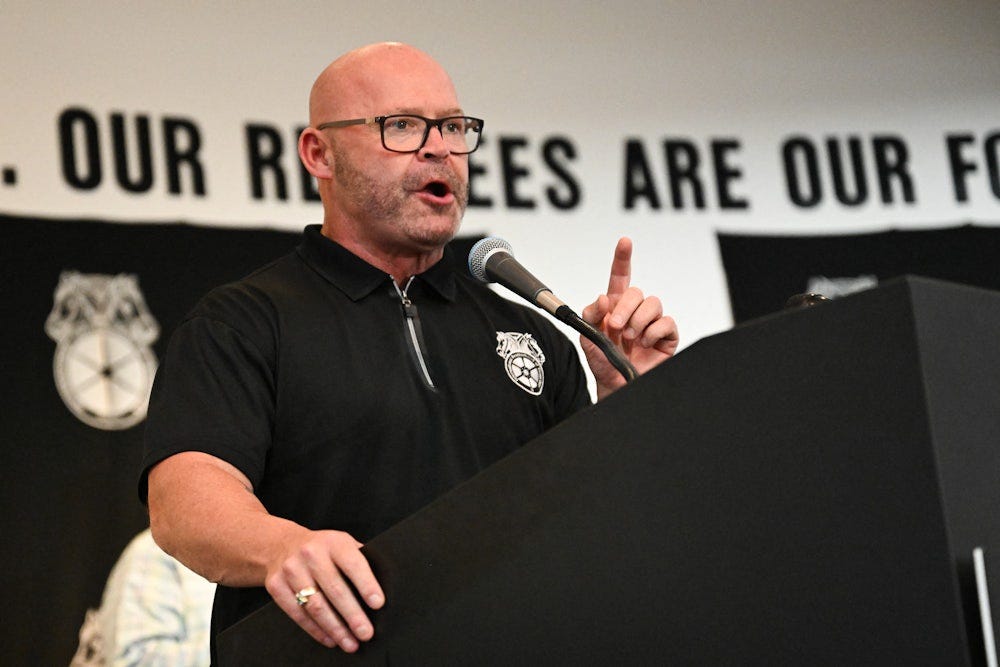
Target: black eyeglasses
[{"x": 406, "y": 133}]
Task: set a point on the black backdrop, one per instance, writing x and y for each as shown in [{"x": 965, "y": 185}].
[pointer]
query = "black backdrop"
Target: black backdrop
[
  {"x": 763, "y": 271},
  {"x": 69, "y": 490}
]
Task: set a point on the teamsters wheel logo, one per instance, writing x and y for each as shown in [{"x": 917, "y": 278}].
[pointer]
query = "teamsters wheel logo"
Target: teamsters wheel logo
[
  {"x": 103, "y": 365},
  {"x": 523, "y": 359}
]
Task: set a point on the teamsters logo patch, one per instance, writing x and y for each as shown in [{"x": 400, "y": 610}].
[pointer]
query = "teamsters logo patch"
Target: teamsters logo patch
[
  {"x": 523, "y": 360},
  {"x": 103, "y": 331}
]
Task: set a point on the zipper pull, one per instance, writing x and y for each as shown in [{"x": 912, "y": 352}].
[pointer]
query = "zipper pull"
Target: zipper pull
[
  {"x": 412, "y": 318},
  {"x": 409, "y": 308}
]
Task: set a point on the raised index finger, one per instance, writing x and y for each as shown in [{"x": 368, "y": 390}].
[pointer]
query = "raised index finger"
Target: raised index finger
[{"x": 621, "y": 268}]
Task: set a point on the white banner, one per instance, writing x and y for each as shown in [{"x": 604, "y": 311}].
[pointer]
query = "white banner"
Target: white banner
[{"x": 664, "y": 121}]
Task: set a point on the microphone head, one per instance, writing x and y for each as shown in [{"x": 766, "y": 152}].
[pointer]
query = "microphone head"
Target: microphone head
[{"x": 482, "y": 251}]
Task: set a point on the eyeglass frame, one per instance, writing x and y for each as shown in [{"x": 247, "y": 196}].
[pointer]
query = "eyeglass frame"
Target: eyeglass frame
[{"x": 428, "y": 124}]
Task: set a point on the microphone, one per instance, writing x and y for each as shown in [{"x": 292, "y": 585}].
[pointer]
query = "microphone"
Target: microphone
[{"x": 492, "y": 260}]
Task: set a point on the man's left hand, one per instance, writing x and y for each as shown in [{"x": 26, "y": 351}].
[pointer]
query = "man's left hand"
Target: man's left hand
[{"x": 632, "y": 321}]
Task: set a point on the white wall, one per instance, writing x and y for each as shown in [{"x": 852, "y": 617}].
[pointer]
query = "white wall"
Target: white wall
[{"x": 755, "y": 73}]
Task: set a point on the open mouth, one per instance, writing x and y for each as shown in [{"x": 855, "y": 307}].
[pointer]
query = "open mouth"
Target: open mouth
[{"x": 438, "y": 189}]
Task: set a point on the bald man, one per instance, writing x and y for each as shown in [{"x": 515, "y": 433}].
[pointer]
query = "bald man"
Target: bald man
[{"x": 315, "y": 403}]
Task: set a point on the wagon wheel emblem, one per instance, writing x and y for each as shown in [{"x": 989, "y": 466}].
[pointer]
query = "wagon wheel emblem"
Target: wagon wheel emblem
[
  {"x": 523, "y": 370},
  {"x": 104, "y": 378},
  {"x": 523, "y": 359},
  {"x": 103, "y": 365}
]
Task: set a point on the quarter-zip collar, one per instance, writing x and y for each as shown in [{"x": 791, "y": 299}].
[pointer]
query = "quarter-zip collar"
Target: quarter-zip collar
[{"x": 357, "y": 278}]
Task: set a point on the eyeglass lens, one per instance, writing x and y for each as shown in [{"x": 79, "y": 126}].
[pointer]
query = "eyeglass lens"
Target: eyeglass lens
[{"x": 407, "y": 133}]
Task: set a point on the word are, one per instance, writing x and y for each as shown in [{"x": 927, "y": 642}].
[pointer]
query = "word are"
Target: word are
[{"x": 687, "y": 180}]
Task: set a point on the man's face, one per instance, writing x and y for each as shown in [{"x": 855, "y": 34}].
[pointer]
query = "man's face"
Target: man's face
[{"x": 400, "y": 202}]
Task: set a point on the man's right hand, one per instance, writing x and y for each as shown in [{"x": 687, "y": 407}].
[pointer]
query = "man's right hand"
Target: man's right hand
[
  {"x": 204, "y": 513},
  {"x": 325, "y": 561}
]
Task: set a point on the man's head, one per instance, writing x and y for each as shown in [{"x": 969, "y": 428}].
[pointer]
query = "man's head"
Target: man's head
[{"x": 375, "y": 199}]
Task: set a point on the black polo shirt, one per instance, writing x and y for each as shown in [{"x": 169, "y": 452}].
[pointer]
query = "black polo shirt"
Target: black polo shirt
[{"x": 343, "y": 412}]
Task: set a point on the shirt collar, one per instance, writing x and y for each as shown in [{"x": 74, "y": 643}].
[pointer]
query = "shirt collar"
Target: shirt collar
[{"x": 357, "y": 278}]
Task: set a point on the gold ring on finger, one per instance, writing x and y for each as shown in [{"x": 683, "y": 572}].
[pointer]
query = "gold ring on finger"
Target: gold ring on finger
[{"x": 303, "y": 595}]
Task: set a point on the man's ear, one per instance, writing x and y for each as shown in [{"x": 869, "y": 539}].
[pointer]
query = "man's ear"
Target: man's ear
[{"x": 313, "y": 153}]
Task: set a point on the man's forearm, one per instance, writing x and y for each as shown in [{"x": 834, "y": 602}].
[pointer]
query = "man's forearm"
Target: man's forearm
[{"x": 204, "y": 513}]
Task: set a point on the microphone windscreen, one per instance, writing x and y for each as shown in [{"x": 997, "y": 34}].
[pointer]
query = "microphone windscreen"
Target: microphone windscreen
[{"x": 481, "y": 252}]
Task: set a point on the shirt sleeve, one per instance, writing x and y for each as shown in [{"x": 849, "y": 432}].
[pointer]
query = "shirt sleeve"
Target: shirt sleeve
[
  {"x": 214, "y": 392},
  {"x": 573, "y": 393}
]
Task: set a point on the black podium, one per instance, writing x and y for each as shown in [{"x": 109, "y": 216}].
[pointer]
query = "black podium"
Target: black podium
[{"x": 804, "y": 489}]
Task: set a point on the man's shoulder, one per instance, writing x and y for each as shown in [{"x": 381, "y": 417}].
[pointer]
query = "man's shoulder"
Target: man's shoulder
[
  {"x": 262, "y": 289},
  {"x": 500, "y": 306}
]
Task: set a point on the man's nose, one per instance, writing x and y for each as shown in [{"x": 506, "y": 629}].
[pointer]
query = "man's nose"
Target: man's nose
[{"x": 435, "y": 145}]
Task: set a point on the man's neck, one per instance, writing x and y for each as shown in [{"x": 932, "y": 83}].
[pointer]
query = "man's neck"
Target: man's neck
[{"x": 401, "y": 265}]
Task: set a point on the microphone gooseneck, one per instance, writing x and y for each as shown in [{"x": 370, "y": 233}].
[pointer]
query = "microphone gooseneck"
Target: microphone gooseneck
[
  {"x": 597, "y": 337},
  {"x": 491, "y": 260}
]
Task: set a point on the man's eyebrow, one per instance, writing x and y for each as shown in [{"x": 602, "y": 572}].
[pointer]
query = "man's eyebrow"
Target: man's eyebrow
[{"x": 413, "y": 111}]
